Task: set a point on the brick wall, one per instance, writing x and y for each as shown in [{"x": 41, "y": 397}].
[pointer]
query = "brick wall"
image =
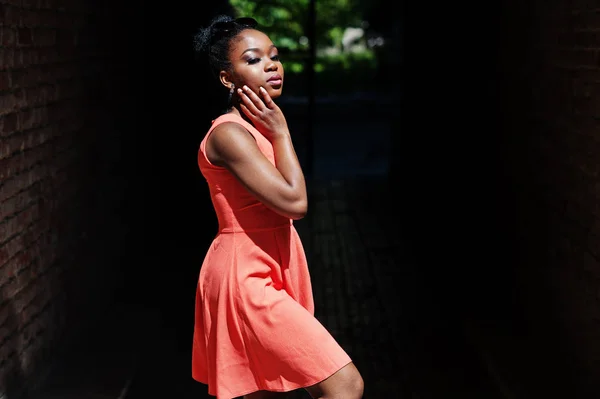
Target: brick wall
[
  {"x": 552, "y": 58},
  {"x": 59, "y": 180}
]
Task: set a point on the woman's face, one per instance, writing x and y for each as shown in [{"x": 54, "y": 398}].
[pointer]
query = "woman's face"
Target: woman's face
[{"x": 255, "y": 63}]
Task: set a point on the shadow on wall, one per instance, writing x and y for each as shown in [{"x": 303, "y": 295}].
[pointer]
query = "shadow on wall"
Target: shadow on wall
[
  {"x": 176, "y": 91},
  {"x": 28, "y": 327},
  {"x": 11, "y": 373}
]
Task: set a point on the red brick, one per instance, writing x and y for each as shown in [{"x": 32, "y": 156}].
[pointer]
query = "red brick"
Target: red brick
[
  {"x": 586, "y": 20},
  {"x": 17, "y": 224},
  {"x": 4, "y": 81},
  {"x": 30, "y": 18},
  {"x": 37, "y": 233},
  {"x": 7, "y": 349},
  {"x": 582, "y": 57},
  {"x": 30, "y": 4},
  {"x": 24, "y": 37},
  {"x": 27, "y": 294},
  {"x": 65, "y": 21},
  {"x": 69, "y": 89},
  {"x": 9, "y": 249},
  {"x": 5, "y": 314},
  {"x": 34, "y": 117},
  {"x": 587, "y": 38},
  {"x": 44, "y": 37},
  {"x": 8, "y": 277},
  {"x": 9, "y": 123},
  {"x": 26, "y": 77},
  {"x": 31, "y": 330},
  {"x": 18, "y": 163},
  {"x": 39, "y": 95},
  {"x": 7, "y": 58},
  {"x": 8, "y": 36},
  {"x": 47, "y": 18},
  {"x": 21, "y": 182},
  {"x": 583, "y": 5},
  {"x": 11, "y": 15},
  {"x": 47, "y": 55},
  {"x": 37, "y": 223}
]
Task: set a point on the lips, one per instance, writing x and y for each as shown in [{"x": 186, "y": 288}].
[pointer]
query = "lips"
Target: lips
[{"x": 275, "y": 80}]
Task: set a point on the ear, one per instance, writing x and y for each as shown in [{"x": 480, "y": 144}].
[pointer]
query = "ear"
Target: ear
[{"x": 226, "y": 79}]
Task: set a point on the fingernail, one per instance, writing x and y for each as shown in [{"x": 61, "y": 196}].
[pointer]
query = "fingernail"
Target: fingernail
[{"x": 245, "y": 87}]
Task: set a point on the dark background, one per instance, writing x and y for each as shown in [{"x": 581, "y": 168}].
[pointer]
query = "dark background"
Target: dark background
[{"x": 485, "y": 115}]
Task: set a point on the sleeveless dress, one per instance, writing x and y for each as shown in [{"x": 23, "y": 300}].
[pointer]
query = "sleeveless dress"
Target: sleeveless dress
[{"x": 254, "y": 321}]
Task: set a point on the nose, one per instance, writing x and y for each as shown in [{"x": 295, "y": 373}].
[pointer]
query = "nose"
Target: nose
[{"x": 270, "y": 66}]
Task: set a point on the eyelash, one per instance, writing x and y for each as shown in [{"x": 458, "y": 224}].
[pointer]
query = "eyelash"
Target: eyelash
[{"x": 255, "y": 60}]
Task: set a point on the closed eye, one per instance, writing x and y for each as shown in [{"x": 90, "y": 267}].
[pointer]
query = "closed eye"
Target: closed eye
[{"x": 255, "y": 60}]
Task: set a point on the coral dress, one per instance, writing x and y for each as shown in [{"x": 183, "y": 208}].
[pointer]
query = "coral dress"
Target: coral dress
[{"x": 254, "y": 324}]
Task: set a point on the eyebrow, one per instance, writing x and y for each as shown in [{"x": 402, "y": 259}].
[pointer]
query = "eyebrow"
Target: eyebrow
[{"x": 272, "y": 46}]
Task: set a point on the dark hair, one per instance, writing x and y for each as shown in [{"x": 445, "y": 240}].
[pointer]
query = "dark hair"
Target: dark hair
[{"x": 215, "y": 40}]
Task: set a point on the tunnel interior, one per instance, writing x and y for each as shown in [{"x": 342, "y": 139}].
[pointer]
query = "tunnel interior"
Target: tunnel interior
[
  {"x": 494, "y": 199},
  {"x": 461, "y": 174}
]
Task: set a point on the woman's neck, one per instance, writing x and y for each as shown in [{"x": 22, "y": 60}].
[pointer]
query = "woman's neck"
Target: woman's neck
[{"x": 236, "y": 111}]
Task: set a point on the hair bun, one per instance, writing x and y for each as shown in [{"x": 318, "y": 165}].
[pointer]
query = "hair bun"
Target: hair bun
[{"x": 205, "y": 36}]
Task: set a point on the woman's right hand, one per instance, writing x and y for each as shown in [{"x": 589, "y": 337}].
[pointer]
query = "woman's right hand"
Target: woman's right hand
[{"x": 265, "y": 115}]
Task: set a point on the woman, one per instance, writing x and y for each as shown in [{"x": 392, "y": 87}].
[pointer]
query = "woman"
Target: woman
[{"x": 255, "y": 332}]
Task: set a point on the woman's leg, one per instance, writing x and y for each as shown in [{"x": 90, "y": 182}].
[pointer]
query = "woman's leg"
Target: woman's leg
[{"x": 346, "y": 383}]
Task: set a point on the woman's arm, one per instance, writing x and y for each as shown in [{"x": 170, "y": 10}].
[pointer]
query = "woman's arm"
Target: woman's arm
[{"x": 280, "y": 187}]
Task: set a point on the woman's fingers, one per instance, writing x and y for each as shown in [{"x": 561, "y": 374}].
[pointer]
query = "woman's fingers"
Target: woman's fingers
[
  {"x": 267, "y": 98},
  {"x": 247, "y": 112},
  {"x": 256, "y": 100},
  {"x": 248, "y": 102}
]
